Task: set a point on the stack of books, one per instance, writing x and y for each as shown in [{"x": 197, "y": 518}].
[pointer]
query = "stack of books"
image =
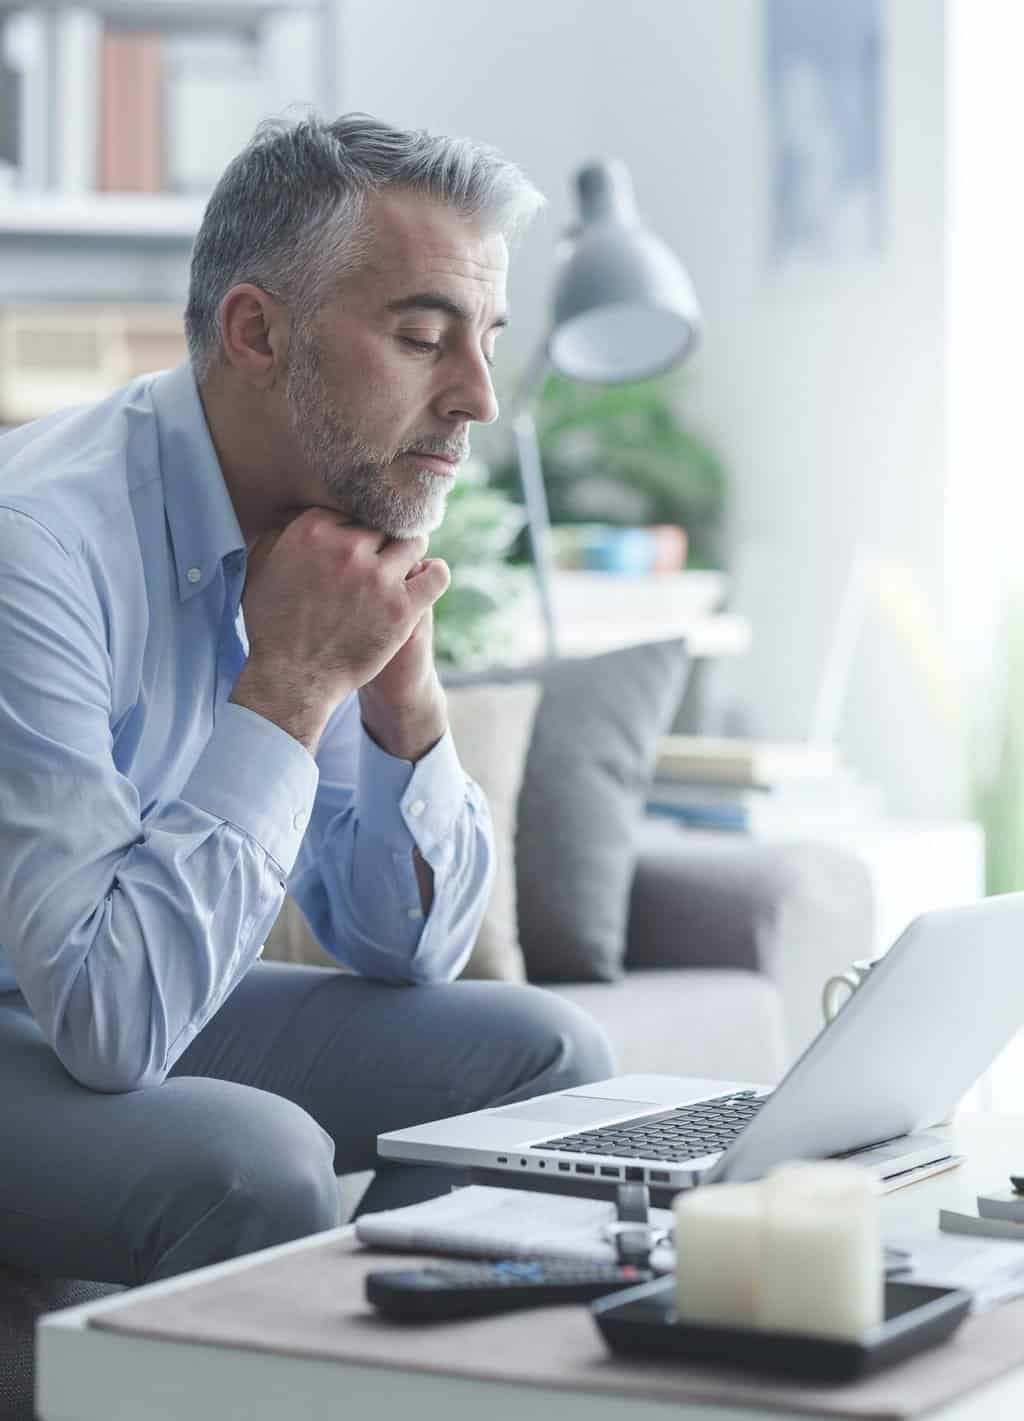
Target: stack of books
[{"x": 762, "y": 788}]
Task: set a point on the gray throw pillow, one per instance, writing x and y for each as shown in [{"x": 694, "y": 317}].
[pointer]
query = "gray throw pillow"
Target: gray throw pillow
[{"x": 587, "y": 771}]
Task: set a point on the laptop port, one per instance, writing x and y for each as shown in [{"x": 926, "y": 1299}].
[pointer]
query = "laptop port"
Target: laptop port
[
  {"x": 503, "y": 1159},
  {"x": 634, "y": 1174},
  {"x": 608, "y": 1170},
  {"x": 523, "y": 1163},
  {"x": 584, "y": 1169},
  {"x": 564, "y": 1167},
  {"x": 660, "y": 1176},
  {"x": 542, "y": 1164}
]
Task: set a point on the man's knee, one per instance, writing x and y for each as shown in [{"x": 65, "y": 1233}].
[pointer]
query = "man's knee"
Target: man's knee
[
  {"x": 263, "y": 1176},
  {"x": 551, "y": 1044}
]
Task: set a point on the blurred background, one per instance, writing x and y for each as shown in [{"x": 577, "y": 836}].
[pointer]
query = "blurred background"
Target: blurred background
[{"x": 839, "y": 178}]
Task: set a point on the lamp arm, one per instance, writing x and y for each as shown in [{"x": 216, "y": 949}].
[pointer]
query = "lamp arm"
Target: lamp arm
[
  {"x": 531, "y": 480},
  {"x": 534, "y": 374}
]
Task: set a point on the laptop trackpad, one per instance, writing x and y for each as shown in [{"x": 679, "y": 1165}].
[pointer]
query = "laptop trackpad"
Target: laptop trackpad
[{"x": 573, "y": 1109}]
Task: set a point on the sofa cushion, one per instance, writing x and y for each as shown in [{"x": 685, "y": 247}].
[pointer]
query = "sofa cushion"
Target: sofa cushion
[
  {"x": 795, "y": 911},
  {"x": 690, "y": 1021},
  {"x": 587, "y": 773},
  {"x": 492, "y": 726}
]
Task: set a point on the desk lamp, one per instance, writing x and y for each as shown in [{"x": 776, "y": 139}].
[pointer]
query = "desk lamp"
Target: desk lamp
[{"x": 623, "y": 309}]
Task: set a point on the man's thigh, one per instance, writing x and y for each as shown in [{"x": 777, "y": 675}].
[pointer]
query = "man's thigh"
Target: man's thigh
[
  {"x": 126, "y": 1187},
  {"x": 365, "y": 1057}
]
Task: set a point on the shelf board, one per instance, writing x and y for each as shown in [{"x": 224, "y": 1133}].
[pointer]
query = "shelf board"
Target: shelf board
[{"x": 157, "y": 217}]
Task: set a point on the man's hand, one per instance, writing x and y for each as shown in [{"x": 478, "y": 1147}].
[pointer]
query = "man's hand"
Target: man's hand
[{"x": 327, "y": 607}]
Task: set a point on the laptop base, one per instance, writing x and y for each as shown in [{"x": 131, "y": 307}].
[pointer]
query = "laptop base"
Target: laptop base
[{"x": 662, "y": 1196}]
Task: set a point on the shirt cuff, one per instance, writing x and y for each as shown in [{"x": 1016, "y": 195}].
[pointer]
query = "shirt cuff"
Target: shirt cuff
[
  {"x": 257, "y": 777},
  {"x": 400, "y": 802}
]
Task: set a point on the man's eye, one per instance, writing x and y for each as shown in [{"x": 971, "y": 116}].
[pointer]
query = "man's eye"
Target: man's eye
[{"x": 421, "y": 344}]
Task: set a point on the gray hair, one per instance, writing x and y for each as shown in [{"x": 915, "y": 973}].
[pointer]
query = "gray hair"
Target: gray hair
[{"x": 287, "y": 214}]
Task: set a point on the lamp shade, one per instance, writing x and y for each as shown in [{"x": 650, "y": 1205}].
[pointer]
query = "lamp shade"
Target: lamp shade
[{"x": 624, "y": 307}]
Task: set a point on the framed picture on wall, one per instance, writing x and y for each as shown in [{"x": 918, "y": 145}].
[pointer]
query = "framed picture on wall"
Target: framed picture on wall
[{"x": 823, "y": 99}]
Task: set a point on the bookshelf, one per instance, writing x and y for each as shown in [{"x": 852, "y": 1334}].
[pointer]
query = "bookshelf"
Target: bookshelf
[{"x": 116, "y": 117}]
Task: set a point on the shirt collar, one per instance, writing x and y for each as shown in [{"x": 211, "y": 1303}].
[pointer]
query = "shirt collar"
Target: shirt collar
[{"x": 200, "y": 514}]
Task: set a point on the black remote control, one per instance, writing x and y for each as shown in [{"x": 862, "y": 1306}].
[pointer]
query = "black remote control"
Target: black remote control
[{"x": 463, "y": 1289}]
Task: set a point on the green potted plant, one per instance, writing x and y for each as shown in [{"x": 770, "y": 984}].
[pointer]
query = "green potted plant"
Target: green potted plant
[
  {"x": 476, "y": 621},
  {"x": 623, "y": 455}
]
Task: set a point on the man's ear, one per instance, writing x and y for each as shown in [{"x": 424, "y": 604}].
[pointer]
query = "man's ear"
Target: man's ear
[{"x": 254, "y": 328}]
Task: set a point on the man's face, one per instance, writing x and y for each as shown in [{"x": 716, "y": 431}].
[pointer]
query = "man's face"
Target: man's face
[{"x": 382, "y": 388}]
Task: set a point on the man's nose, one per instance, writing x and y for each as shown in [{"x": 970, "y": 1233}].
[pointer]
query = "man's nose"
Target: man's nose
[{"x": 471, "y": 395}]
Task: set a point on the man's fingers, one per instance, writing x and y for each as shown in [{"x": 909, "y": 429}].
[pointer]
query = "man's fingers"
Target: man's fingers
[
  {"x": 404, "y": 553},
  {"x": 431, "y": 582}
]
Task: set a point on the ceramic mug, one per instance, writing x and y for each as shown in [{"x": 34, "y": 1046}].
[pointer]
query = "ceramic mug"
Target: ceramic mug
[{"x": 839, "y": 989}]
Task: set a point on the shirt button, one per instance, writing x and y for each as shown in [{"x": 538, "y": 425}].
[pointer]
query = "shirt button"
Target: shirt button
[
  {"x": 194, "y": 574},
  {"x": 414, "y": 913},
  {"x": 299, "y": 820},
  {"x": 416, "y": 808}
]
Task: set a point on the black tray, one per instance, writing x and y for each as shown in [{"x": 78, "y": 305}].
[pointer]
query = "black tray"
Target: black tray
[{"x": 642, "y": 1322}]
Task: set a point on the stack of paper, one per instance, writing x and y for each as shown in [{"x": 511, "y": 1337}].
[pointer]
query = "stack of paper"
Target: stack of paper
[
  {"x": 989, "y": 1268},
  {"x": 482, "y": 1221}
]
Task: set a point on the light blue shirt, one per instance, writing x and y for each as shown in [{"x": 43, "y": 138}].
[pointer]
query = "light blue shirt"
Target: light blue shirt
[{"x": 148, "y": 826}]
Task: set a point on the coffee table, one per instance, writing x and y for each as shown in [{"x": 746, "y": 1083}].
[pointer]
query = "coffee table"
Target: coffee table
[{"x": 88, "y": 1374}]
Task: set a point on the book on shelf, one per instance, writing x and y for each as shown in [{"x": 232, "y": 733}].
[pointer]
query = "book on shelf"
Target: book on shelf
[
  {"x": 131, "y": 112},
  {"x": 24, "y": 37},
  {"x": 723, "y": 760},
  {"x": 76, "y": 41},
  {"x": 214, "y": 97}
]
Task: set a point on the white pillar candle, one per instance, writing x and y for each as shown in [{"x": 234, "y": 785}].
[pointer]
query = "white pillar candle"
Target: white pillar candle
[
  {"x": 821, "y": 1259},
  {"x": 718, "y": 1246}
]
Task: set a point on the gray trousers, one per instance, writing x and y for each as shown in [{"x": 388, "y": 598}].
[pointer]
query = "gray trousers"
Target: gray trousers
[{"x": 287, "y": 1086}]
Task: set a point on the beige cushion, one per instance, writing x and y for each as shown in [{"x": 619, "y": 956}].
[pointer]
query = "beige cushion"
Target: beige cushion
[{"x": 491, "y": 726}]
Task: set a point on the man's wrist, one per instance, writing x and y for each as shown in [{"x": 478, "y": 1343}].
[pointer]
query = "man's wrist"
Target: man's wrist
[
  {"x": 282, "y": 698},
  {"x": 407, "y": 732}
]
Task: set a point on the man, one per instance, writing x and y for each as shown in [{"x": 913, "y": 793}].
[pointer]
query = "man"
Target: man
[{"x": 216, "y": 680}]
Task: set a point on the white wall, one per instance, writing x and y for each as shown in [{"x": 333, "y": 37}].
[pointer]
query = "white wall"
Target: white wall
[
  {"x": 824, "y": 388},
  {"x": 504, "y": 76}
]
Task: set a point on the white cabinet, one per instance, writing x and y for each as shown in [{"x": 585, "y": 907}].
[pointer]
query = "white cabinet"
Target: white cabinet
[
  {"x": 603, "y": 611},
  {"x": 916, "y": 866}
]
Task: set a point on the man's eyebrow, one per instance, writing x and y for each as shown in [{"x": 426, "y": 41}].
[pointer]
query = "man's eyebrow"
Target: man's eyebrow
[{"x": 437, "y": 301}]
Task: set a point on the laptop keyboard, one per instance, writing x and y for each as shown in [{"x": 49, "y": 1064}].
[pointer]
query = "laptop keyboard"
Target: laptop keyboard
[{"x": 674, "y": 1136}]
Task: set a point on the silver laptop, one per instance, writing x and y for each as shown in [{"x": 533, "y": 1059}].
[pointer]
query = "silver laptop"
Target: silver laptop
[{"x": 926, "y": 1022}]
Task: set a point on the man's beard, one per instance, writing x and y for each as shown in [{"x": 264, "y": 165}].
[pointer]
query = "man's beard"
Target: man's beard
[{"x": 359, "y": 477}]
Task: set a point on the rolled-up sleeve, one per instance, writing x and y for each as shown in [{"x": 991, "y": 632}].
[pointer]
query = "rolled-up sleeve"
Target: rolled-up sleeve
[
  {"x": 124, "y": 933},
  {"x": 355, "y": 879}
]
